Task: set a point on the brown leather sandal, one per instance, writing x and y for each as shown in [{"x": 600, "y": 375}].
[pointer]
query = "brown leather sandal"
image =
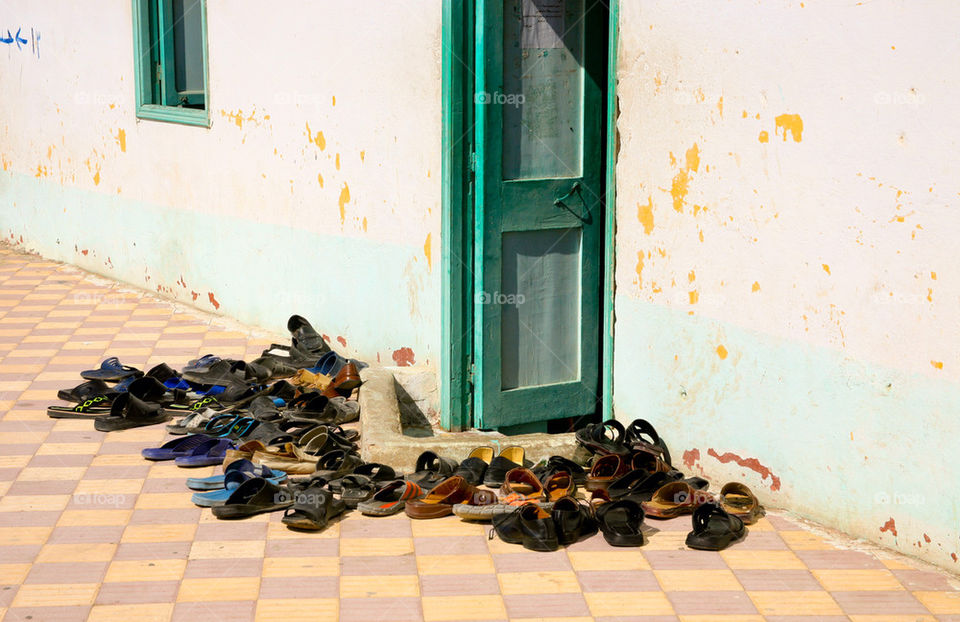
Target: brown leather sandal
[
  {"x": 675, "y": 499},
  {"x": 737, "y": 500},
  {"x": 440, "y": 501}
]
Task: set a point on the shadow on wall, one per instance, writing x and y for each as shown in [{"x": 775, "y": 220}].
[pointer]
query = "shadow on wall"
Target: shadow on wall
[{"x": 413, "y": 421}]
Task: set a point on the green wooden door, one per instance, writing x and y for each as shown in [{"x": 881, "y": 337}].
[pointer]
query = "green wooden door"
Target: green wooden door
[{"x": 539, "y": 217}]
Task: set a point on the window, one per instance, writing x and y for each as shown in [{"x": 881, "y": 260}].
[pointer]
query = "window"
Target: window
[{"x": 170, "y": 51}]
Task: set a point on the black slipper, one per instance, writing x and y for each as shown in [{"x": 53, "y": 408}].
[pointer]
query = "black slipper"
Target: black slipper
[
  {"x": 84, "y": 391},
  {"x": 620, "y": 522},
  {"x": 714, "y": 529},
  {"x": 594, "y": 437},
  {"x": 314, "y": 507},
  {"x": 254, "y": 496},
  {"x": 128, "y": 411},
  {"x": 111, "y": 370},
  {"x": 304, "y": 337},
  {"x": 431, "y": 469}
]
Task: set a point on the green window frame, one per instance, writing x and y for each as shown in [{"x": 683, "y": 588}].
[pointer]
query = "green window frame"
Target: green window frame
[{"x": 166, "y": 60}]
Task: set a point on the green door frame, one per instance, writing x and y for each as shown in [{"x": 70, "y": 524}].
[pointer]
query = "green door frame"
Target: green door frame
[{"x": 459, "y": 160}]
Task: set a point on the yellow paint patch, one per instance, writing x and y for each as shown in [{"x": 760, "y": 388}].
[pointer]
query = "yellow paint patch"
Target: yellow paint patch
[
  {"x": 639, "y": 269},
  {"x": 364, "y": 223},
  {"x": 929, "y": 295},
  {"x": 645, "y": 215},
  {"x": 693, "y": 158},
  {"x": 673, "y": 160},
  {"x": 700, "y": 95},
  {"x": 756, "y": 287},
  {"x": 334, "y": 100},
  {"x": 692, "y": 276},
  {"x": 721, "y": 352},
  {"x": 96, "y": 178},
  {"x": 364, "y": 153},
  {"x": 694, "y": 297},
  {"x": 681, "y": 183},
  {"x": 122, "y": 139},
  {"x": 790, "y": 123},
  {"x": 826, "y": 268},
  {"x": 426, "y": 252},
  {"x": 344, "y": 199},
  {"x": 744, "y": 115},
  {"x": 320, "y": 179},
  {"x": 701, "y": 235},
  {"x": 933, "y": 275},
  {"x": 316, "y": 139},
  {"x": 937, "y": 364},
  {"x": 338, "y": 161},
  {"x": 720, "y": 106},
  {"x": 764, "y": 137}
]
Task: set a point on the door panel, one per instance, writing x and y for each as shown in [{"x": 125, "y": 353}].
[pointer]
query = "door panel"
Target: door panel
[{"x": 539, "y": 237}]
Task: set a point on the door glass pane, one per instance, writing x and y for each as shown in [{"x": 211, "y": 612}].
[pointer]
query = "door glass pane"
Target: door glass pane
[
  {"x": 188, "y": 46},
  {"x": 540, "y": 307},
  {"x": 543, "y": 88}
]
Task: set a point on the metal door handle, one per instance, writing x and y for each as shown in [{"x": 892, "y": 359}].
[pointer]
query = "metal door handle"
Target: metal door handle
[{"x": 576, "y": 189}]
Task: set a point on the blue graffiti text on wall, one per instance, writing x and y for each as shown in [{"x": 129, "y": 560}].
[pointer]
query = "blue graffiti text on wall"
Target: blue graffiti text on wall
[{"x": 21, "y": 41}]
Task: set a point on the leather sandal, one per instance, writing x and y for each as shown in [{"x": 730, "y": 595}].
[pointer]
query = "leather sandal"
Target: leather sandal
[
  {"x": 605, "y": 470},
  {"x": 440, "y": 501},
  {"x": 738, "y": 500},
  {"x": 675, "y": 499},
  {"x": 714, "y": 529}
]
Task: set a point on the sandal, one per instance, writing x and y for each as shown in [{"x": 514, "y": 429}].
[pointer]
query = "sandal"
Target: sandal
[
  {"x": 482, "y": 505},
  {"x": 714, "y": 529},
  {"x": 355, "y": 489},
  {"x": 605, "y": 470},
  {"x": 594, "y": 438},
  {"x": 209, "y": 453},
  {"x": 313, "y": 508},
  {"x": 83, "y": 391},
  {"x": 305, "y": 338},
  {"x": 440, "y": 501},
  {"x": 254, "y": 496},
  {"x": 738, "y": 500},
  {"x": 175, "y": 448},
  {"x": 232, "y": 481},
  {"x": 391, "y": 499},
  {"x": 642, "y": 436},
  {"x": 337, "y": 463},
  {"x": 522, "y": 482},
  {"x": 676, "y": 498},
  {"x": 475, "y": 465},
  {"x": 509, "y": 458},
  {"x": 111, "y": 370},
  {"x": 620, "y": 522},
  {"x": 216, "y": 482},
  {"x": 555, "y": 464},
  {"x": 289, "y": 459},
  {"x": 127, "y": 411},
  {"x": 559, "y": 485},
  {"x": 431, "y": 469}
]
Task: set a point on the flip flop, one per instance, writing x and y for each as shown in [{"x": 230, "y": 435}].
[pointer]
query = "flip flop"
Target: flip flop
[
  {"x": 128, "y": 411},
  {"x": 209, "y": 453},
  {"x": 202, "y": 363},
  {"x": 391, "y": 499},
  {"x": 232, "y": 481},
  {"x": 254, "y": 496},
  {"x": 172, "y": 450},
  {"x": 714, "y": 529},
  {"x": 111, "y": 370},
  {"x": 304, "y": 337},
  {"x": 356, "y": 488},
  {"x": 738, "y": 500},
  {"x": 216, "y": 482}
]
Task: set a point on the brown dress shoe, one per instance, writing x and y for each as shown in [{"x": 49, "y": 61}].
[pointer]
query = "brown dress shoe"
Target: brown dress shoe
[{"x": 346, "y": 380}]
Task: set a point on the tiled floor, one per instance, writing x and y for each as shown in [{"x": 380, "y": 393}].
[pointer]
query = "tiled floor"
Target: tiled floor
[{"x": 89, "y": 530}]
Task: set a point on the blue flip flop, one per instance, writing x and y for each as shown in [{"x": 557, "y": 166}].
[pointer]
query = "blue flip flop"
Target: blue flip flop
[
  {"x": 209, "y": 453},
  {"x": 172, "y": 450},
  {"x": 111, "y": 370},
  {"x": 201, "y": 364},
  {"x": 216, "y": 482},
  {"x": 231, "y": 483}
]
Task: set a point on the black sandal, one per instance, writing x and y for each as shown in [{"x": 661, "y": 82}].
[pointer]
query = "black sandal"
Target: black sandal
[
  {"x": 620, "y": 522},
  {"x": 313, "y": 507},
  {"x": 714, "y": 529},
  {"x": 594, "y": 438}
]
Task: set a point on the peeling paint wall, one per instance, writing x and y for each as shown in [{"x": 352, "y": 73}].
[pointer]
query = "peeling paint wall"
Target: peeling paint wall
[
  {"x": 316, "y": 188},
  {"x": 787, "y": 284}
]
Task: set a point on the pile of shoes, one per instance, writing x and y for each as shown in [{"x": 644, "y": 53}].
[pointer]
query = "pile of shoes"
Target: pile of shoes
[
  {"x": 275, "y": 426},
  {"x": 268, "y": 399}
]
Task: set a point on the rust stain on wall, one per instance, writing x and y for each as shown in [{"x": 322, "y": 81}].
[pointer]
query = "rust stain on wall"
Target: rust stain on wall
[
  {"x": 213, "y": 301},
  {"x": 691, "y": 457},
  {"x": 748, "y": 463},
  {"x": 790, "y": 123},
  {"x": 404, "y": 357},
  {"x": 342, "y": 341},
  {"x": 890, "y": 526}
]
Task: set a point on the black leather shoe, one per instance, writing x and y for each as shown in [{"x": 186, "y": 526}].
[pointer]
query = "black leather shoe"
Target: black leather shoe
[
  {"x": 537, "y": 531},
  {"x": 572, "y": 521}
]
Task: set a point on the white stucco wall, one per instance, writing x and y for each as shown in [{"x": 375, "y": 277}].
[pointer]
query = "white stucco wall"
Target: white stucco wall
[
  {"x": 315, "y": 190},
  {"x": 787, "y": 289}
]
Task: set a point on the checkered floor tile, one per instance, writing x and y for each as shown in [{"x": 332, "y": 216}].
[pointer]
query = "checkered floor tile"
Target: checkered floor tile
[{"x": 90, "y": 531}]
